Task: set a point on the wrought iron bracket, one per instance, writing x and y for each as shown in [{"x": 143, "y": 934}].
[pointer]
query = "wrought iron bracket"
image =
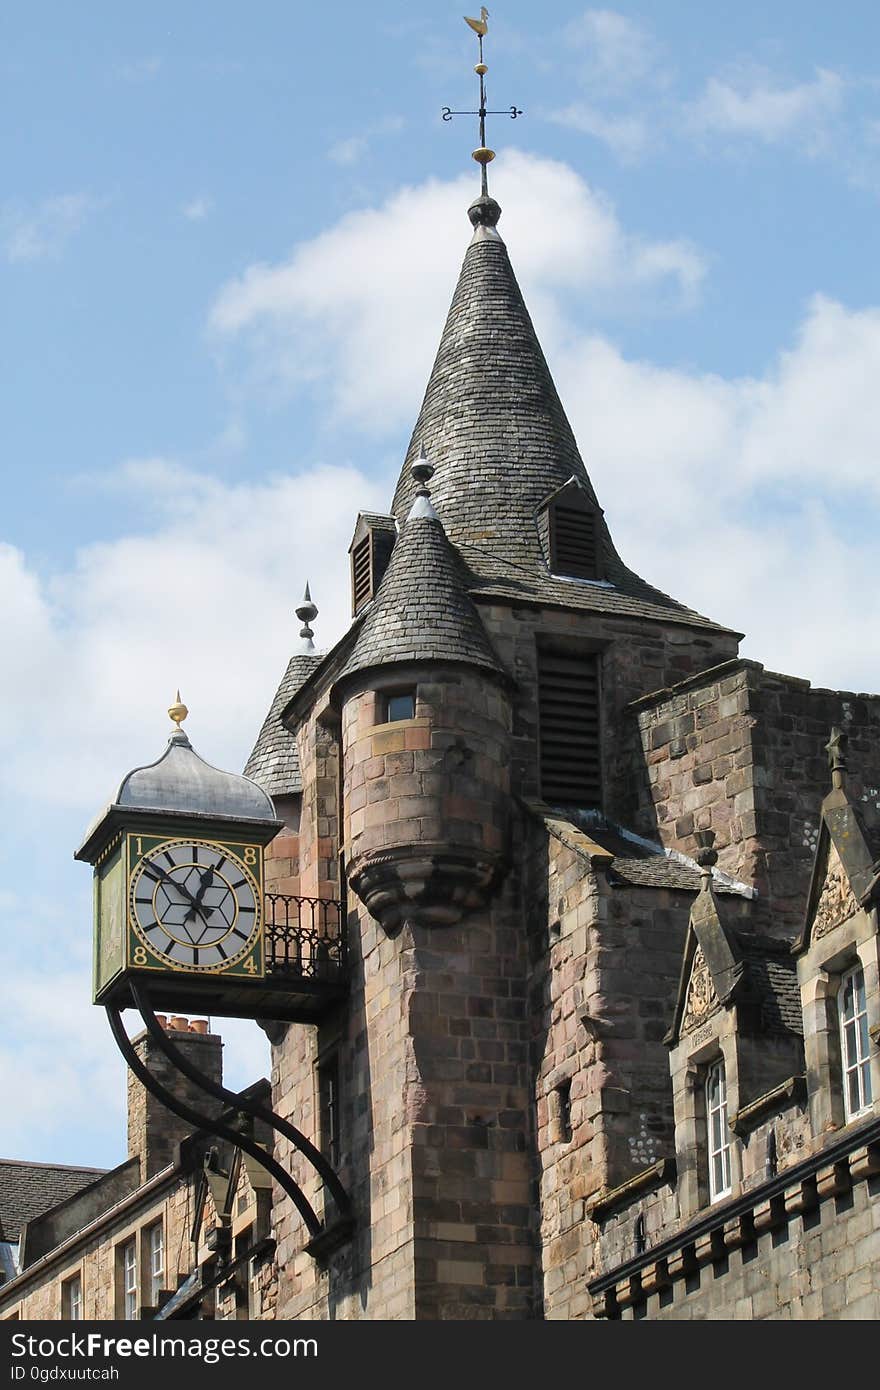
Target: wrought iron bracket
[{"x": 322, "y": 1237}]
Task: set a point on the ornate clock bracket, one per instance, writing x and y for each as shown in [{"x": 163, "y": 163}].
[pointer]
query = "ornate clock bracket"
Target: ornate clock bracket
[{"x": 323, "y": 1238}]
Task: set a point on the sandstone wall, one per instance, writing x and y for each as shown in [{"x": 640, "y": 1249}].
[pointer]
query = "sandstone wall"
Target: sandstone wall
[{"x": 741, "y": 750}]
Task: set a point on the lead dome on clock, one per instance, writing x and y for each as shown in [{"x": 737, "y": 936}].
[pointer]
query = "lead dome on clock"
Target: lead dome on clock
[{"x": 181, "y": 781}]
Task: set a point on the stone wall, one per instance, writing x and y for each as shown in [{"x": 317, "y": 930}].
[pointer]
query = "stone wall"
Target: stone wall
[
  {"x": 605, "y": 967},
  {"x": 636, "y": 657},
  {"x": 742, "y": 750},
  {"x": 807, "y": 1248}
]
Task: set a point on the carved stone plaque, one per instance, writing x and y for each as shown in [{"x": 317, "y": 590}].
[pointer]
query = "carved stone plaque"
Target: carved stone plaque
[
  {"x": 701, "y": 997},
  {"x": 836, "y": 901}
]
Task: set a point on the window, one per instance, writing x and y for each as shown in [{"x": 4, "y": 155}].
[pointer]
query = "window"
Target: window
[
  {"x": 854, "y": 1044},
  {"x": 71, "y": 1299},
  {"x": 568, "y": 712},
  {"x": 155, "y": 1261},
  {"x": 401, "y": 705},
  {"x": 328, "y": 1100},
  {"x": 127, "y": 1269},
  {"x": 718, "y": 1132}
]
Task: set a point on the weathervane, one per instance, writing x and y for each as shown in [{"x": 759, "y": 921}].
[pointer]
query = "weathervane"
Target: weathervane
[{"x": 483, "y": 155}]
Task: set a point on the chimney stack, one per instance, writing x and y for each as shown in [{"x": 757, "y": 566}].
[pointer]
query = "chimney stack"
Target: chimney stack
[{"x": 153, "y": 1131}]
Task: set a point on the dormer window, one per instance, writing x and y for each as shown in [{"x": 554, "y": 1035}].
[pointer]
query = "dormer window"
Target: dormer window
[
  {"x": 370, "y": 551},
  {"x": 569, "y": 526}
]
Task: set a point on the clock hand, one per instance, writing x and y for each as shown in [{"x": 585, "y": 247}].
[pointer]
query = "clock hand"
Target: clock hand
[
  {"x": 159, "y": 875},
  {"x": 205, "y": 881}
]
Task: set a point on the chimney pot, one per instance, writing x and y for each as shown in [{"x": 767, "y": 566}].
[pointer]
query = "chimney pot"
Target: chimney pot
[
  {"x": 180, "y": 1025},
  {"x": 199, "y": 1025}
]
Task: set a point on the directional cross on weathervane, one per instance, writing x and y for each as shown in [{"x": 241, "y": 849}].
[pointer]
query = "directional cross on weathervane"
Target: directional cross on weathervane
[{"x": 483, "y": 156}]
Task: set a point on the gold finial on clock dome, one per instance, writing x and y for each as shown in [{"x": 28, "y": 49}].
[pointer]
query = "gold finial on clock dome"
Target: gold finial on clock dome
[{"x": 178, "y": 711}]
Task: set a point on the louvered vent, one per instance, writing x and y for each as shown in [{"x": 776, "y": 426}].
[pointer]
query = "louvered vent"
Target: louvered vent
[
  {"x": 361, "y": 573},
  {"x": 568, "y": 710},
  {"x": 574, "y": 540}
]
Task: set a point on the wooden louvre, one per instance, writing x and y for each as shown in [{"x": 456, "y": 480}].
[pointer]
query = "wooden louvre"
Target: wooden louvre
[
  {"x": 568, "y": 711},
  {"x": 369, "y": 561},
  {"x": 574, "y": 538},
  {"x": 361, "y": 573}
]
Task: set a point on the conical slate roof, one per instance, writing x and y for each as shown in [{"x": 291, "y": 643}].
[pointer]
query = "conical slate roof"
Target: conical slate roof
[
  {"x": 493, "y": 426},
  {"x": 422, "y": 610},
  {"x": 274, "y": 761}
]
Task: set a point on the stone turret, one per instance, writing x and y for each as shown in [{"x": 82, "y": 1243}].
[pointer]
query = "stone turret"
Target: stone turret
[{"x": 425, "y": 738}]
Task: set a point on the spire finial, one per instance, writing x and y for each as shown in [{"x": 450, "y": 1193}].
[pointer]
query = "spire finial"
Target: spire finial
[
  {"x": 307, "y": 612},
  {"x": 706, "y": 855},
  {"x": 836, "y": 750},
  {"x": 483, "y": 155},
  {"x": 422, "y": 471},
  {"x": 178, "y": 712}
]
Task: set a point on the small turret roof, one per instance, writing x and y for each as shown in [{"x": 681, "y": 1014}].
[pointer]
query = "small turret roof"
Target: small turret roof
[
  {"x": 274, "y": 761},
  {"x": 422, "y": 610}
]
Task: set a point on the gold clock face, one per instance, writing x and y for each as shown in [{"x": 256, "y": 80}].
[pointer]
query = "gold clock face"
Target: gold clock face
[{"x": 195, "y": 904}]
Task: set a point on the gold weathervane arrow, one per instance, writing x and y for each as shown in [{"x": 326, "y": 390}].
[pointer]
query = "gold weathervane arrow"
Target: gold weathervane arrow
[{"x": 483, "y": 155}]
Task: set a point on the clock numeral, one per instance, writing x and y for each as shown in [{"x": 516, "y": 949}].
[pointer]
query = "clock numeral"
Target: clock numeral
[
  {"x": 140, "y": 844},
  {"x": 140, "y": 956},
  {"x": 250, "y": 855},
  {"x": 250, "y": 966}
]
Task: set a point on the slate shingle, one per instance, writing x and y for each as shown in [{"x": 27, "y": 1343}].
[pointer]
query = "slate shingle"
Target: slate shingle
[
  {"x": 274, "y": 761},
  {"x": 27, "y": 1190},
  {"x": 772, "y": 981}
]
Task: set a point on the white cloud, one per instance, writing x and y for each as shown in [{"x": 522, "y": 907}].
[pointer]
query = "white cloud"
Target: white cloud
[
  {"x": 201, "y": 597},
  {"x": 626, "y": 135},
  {"x": 356, "y": 311},
  {"x": 756, "y": 104},
  {"x": 348, "y": 151},
  {"x": 756, "y": 501},
  {"x": 352, "y": 149},
  {"x": 197, "y": 209},
  {"x": 41, "y": 231},
  {"x": 618, "y": 51}
]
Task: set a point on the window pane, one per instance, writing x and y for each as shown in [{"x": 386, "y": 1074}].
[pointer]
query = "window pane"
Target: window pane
[
  {"x": 401, "y": 707},
  {"x": 865, "y": 1074}
]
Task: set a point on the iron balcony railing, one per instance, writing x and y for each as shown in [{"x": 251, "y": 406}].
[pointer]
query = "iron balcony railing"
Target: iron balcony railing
[{"x": 305, "y": 938}]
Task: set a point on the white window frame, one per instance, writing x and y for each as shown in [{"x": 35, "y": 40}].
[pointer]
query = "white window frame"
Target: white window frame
[
  {"x": 72, "y": 1299},
  {"x": 129, "y": 1273},
  {"x": 855, "y": 1044},
  {"x": 156, "y": 1260},
  {"x": 717, "y": 1132}
]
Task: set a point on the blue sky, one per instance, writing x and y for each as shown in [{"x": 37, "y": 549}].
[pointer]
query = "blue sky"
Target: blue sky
[{"x": 228, "y": 239}]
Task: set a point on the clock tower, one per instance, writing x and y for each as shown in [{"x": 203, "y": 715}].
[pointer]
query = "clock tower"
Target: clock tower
[{"x": 178, "y": 874}]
